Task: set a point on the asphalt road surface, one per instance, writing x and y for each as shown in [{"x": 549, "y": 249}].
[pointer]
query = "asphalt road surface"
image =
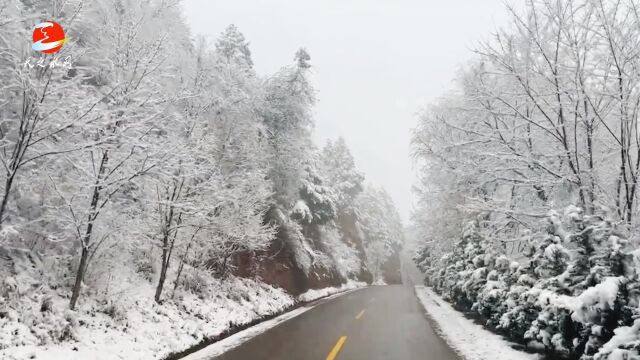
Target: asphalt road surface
[{"x": 375, "y": 323}]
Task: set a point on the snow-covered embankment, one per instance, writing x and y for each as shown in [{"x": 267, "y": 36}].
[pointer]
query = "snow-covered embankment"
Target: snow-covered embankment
[{"x": 468, "y": 339}]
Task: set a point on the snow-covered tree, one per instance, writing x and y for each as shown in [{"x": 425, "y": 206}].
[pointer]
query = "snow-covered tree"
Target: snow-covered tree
[
  {"x": 341, "y": 174},
  {"x": 381, "y": 227},
  {"x": 288, "y": 98},
  {"x": 233, "y": 48},
  {"x": 43, "y": 99},
  {"x": 317, "y": 200}
]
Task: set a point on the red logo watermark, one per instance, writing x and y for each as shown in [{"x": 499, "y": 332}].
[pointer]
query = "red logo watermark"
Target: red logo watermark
[{"x": 48, "y": 37}]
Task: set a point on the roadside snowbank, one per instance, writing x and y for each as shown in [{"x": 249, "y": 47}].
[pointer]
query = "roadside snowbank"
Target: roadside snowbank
[
  {"x": 139, "y": 328},
  {"x": 315, "y": 294},
  {"x": 468, "y": 339}
]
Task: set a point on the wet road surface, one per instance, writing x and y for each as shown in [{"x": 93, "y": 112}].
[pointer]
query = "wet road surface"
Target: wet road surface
[{"x": 375, "y": 323}]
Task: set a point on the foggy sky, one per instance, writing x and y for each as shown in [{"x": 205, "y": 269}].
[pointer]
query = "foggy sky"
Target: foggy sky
[{"x": 375, "y": 64}]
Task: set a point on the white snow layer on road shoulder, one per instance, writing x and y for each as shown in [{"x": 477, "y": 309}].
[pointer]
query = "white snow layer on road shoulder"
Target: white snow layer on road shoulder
[
  {"x": 470, "y": 340},
  {"x": 145, "y": 330},
  {"x": 315, "y": 294}
]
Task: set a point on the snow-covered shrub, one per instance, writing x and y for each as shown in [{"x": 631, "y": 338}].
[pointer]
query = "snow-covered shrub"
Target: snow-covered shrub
[
  {"x": 492, "y": 300},
  {"x": 624, "y": 345},
  {"x": 598, "y": 311},
  {"x": 144, "y": 265},
  {"x": 548, "y": 293},
  {"x": 8, "y": 287},
  {"x": 424, "y": 261},
  {"x": 461, "y": 275},
  {"x": 522, "y": 310},
  {"x": 579, "y": 285},
  {"x": 551, "y": 258},
  {"x": 194, "y": 281},
  {"x": 552, "y": 326},
  {"x": 47, "y": 304},
  {"x": 490, "y": 304},
  {"x": 114, "y": 309}
]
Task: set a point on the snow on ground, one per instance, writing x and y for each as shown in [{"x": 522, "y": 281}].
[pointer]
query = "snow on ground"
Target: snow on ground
[
  {"x": 138, "y": 328},
  {"x": 469, "y": 339},
  {"x": 315, "y": 294},
  {"x": 143, "y": 329}
]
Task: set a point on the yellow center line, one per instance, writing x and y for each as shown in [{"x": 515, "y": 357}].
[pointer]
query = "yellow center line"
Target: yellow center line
[
  {"x": 359, "y": 315},
  {"x": 336, "y": 349}
]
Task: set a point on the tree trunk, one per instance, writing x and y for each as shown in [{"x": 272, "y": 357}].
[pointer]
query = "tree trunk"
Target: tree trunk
[
  {"x": 5, "y": 197},
  {"x": 163, "y": 276},
  {"x": 82, "y": 268},
  {"x": 166, "y": 254},
  {"x": 93, "y": 215},
  {"x": 177, "y": 280},
  {"x": 168, "y": 239},
  {"x": 592, "y": 190},
  {"x": 180, "y": 267}
]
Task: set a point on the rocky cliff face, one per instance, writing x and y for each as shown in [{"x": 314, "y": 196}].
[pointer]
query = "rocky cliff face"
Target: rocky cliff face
[
  {"x": 281, "y": 264},
  {"x": 320, "y": 245},
  {"x": 275, "y": 266},
  {"x": 349, "y": 229}
]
